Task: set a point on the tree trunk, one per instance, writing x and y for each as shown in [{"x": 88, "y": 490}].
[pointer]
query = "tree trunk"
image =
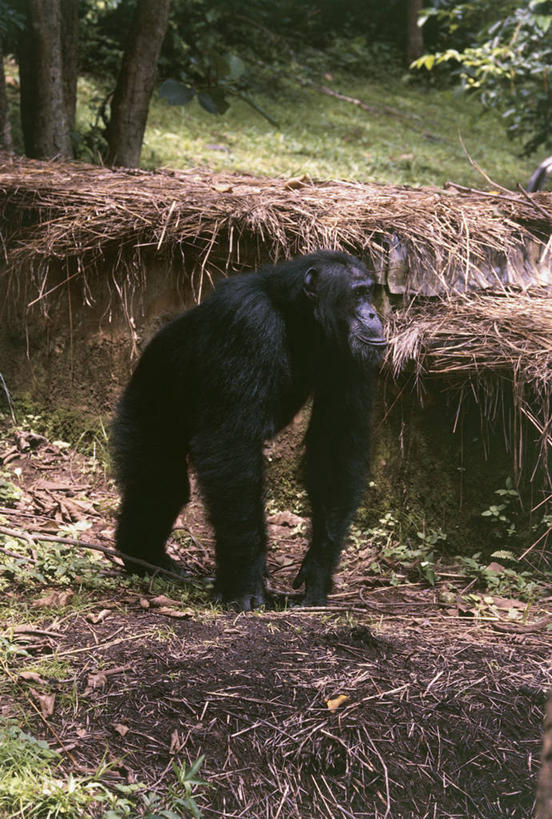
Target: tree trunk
[
  {"x": 70, "y": 57},
  {"x": 45, "y": 121},
  {"x": 6, "y": 143},
  {"x": 130, "y": 103},
  {"x": 414, "y": 36}
]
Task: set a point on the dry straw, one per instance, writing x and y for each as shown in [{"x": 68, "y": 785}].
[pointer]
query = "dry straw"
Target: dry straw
[{"x": 418, "y": 240}]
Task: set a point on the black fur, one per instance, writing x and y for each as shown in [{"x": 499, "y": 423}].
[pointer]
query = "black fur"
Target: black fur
[{"x": 218, "y": 381}]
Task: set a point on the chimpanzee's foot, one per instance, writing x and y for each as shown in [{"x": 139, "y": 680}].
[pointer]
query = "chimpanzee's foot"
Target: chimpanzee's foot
[
  {"x": 247, "y": 601},
  {"x": 317, "y": 580},
  {"x": 245, "y": 592}
]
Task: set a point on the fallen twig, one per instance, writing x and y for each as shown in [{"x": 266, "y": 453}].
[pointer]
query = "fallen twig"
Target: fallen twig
[{"x": 111, "y": 553}]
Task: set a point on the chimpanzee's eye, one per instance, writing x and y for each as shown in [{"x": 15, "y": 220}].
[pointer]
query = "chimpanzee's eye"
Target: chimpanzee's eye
[{"x": 362, "y": 292}]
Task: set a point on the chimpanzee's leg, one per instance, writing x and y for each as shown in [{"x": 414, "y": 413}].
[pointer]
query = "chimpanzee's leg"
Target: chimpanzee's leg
[
  {"x": 230, "y": 473},
  {"x": 336, "y": 466},
  {"x": 150, "y": 504}
]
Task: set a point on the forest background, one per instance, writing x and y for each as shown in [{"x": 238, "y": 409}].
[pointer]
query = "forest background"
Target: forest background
[{"x": 388, "y": 92}]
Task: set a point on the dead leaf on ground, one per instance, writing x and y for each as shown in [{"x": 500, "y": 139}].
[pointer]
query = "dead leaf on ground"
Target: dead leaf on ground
[
  {"x": 46, "y": 702},
  {"x": 99, "y": 679},
  {"x": 31, "y": 676},
  {"x": 337, "y": 702},
  {"x": 509, "y": 603},
  {"x": 95, "y": 681},
  {"x": 177, "y": 742},
  {"x": 286, "y": 518},
  {"x": 497, "y": 568},
  {"x": 77, "y": 508},
  {"x": 98, "y": 617},
  {"x": 162, "y": 600},
  {"x": 59, "y": 599},
  {"x": 177, "y": 613}
]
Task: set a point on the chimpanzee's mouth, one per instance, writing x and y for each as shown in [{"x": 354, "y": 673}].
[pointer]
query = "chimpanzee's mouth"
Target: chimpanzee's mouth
[{"x": 373, "y": 342}]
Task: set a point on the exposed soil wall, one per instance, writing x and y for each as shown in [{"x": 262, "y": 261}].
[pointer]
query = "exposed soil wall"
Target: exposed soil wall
[{"x": 79, "y": 352}]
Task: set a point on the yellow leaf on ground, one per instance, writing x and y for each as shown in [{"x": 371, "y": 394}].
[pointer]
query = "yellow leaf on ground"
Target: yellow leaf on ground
[{"x": 335, "y": 703}]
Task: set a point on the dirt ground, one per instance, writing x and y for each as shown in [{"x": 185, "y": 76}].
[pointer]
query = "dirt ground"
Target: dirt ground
[{"x": 388, "y": 703}]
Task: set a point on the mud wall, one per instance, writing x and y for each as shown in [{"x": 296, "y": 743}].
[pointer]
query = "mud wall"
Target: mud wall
[{"x": 76, "y": 347}]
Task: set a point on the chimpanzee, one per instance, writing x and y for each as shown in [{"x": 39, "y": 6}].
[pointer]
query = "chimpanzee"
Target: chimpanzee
[{"x": 223, "y": 377}]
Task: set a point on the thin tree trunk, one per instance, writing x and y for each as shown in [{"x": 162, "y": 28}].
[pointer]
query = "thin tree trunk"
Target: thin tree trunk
[
  {"x": 129, "y": 107},
  {"x": 46, "y": 126},
  {"x": 415, "y": 39},
  {"x": 6, "y": 143},
  {"x": 70, "y": 57}
]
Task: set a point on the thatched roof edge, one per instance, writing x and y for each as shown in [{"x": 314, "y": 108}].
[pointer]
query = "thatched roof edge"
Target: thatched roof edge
[{"x": 423, "y": 241}]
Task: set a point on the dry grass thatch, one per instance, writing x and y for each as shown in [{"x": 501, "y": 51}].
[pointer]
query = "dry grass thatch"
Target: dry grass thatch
[
  {"x": 420, "y": 241},
  {"x": 480, "y": 343},
  {"x": 65, "y": 222}
]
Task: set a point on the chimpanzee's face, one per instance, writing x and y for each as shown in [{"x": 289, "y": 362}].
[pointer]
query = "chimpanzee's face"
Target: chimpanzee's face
[
  {"x": 341, "y": 293},
  {"x": 366, "y": 337}
]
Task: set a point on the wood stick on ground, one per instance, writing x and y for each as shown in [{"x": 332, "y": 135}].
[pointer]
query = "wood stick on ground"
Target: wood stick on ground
[{"x": 69, "y": 541}]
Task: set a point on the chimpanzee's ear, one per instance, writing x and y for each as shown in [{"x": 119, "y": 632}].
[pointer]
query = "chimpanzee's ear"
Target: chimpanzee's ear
[{"x": 309, "y": 283}]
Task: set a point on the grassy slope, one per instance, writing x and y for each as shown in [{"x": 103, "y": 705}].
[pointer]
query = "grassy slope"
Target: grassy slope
[{"x": 328, "y": 138}]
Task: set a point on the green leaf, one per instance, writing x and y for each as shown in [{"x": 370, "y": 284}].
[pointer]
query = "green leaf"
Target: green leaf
[
  {"x": 427, "y": 61},
  {"x": 176, "y": 93},
  {"x": 504, "y": 554},
  {"x": 193, "y": 769},
  {"x": 213, "y": 100},
  {"x": 236, "y": 67},
  {"x": 543, "y": 21}
]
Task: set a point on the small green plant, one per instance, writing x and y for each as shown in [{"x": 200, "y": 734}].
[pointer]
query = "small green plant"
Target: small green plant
[
  {"x": 420, "y": 561},
  {"x": 9, "y": 649},
  {"x": 508, "y": 582},
  {"x": 432, "y": 537},
  {"x": 9, "y": 492},
  {"x": 52, "y": 563},
  {"x": 381, "y": 535},
  {"x": 501, "y": 515},
  {"x": 179, "y": 800},
  {"x": 33, "y": 785},
  {"x": 404, "y": 557}
]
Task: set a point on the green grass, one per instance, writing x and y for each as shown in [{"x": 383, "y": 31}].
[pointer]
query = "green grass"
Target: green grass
[
  {"x": 327, "y": 138},
  {"x": 32, "y": 783}
]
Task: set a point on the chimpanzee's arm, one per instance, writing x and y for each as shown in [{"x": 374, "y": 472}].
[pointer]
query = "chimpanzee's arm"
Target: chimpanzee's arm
[{"x": 336, "y": 466}]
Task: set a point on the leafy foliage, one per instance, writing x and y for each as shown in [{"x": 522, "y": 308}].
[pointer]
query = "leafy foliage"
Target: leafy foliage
[
  {"x": 212, "y": 78},
  {"x": 11, "y": 19},
  {"x": 9, "y": 492},
  {"x": 508, "y": 67}
]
